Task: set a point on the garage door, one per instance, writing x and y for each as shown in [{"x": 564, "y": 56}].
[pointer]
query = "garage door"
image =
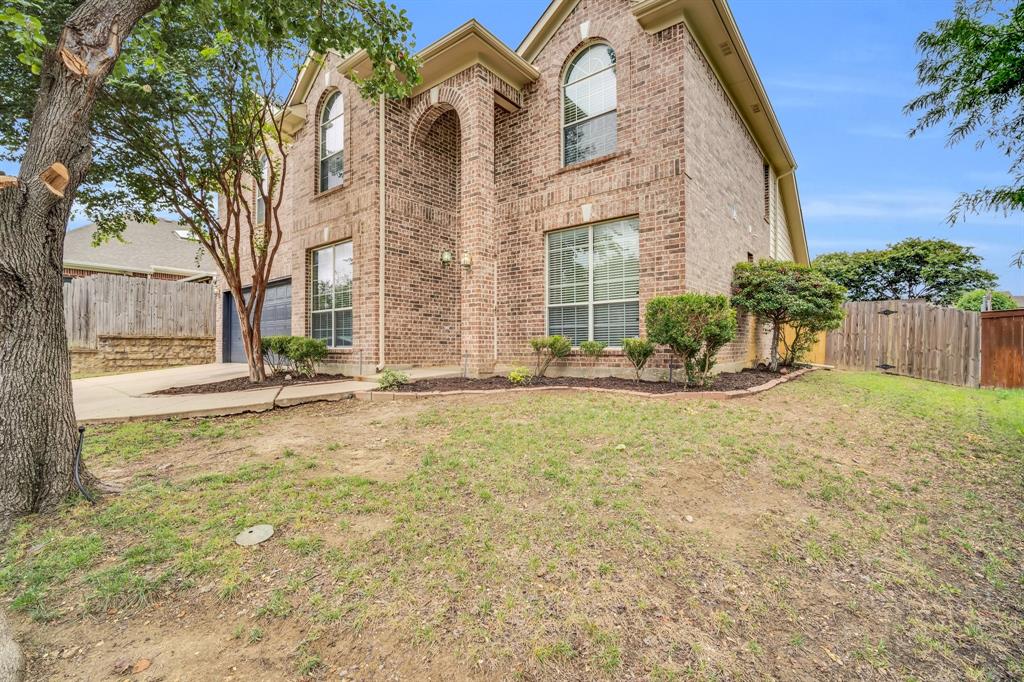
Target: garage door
[{"x": 277, "y": 318}]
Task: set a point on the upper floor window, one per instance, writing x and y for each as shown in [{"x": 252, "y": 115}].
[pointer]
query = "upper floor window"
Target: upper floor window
[
  {"x": 262, "y": 193},
  {"x": 332, "y": 142},
  {"x": 588, "y": 105}
]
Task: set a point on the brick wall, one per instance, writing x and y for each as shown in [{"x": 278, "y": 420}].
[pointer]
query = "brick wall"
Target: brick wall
[
  {"x": 466, "y": 176},
  {"x": 725, "y": 198},
  {"x": 643, "y": 177},
  {"x": 137, "y": 353}
]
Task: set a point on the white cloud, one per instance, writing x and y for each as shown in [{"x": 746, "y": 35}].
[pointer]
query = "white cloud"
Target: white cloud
[{"x": 895, "y": 206}]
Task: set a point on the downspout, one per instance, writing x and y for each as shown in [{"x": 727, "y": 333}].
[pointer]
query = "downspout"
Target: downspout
[{"x": 380, "y": 236}]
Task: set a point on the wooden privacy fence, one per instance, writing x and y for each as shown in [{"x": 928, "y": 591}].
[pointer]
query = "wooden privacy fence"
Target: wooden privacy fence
[
  {"x": 1002, "y": 349},
  {"x": 912, "y": 338},
  {"x": 132, "y": 306}
]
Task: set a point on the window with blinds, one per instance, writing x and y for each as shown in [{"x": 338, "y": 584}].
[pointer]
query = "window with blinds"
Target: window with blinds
[
  {"x": 331, "y": 295},
  {"x": 593, "y": 280},
  {"x": 588, "y": 105}
]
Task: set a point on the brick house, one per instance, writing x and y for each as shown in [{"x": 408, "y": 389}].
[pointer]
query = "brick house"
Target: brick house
[{"x": 624, "y": 150}]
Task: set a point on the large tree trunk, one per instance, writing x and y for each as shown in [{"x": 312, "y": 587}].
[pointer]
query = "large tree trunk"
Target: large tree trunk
[{"x": 37, "y": 417}]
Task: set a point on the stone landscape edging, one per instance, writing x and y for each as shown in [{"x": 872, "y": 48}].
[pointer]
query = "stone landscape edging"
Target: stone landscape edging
[{"x": 378, "y": 395}]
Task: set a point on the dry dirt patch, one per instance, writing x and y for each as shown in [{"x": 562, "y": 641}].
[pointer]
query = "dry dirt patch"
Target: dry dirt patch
[{"x": 824, "y": 530}]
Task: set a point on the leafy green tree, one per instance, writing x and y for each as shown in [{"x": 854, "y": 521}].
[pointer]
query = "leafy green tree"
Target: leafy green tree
[
  {"x": 66, "y": 70},
  {"x": 973, "y": 300},
  {"x": 972, "y": 67},
  {"x": 933, "y": 269},
  {"x": 781, "y": 293},
  {"x": 695, "y": 327}
]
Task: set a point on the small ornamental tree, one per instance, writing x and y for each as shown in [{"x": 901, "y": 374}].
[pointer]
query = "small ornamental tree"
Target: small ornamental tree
[
  {"x": 973, "y": 300},
  {"x": 548, "y": 349},
  {"x": 695, "y": 327},
  {"x": 783, "y": 293},
  {"x": 638, "y": 351}
]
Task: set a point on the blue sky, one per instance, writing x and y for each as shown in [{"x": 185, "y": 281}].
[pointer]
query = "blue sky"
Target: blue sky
[{"x": 838, "y": 73}]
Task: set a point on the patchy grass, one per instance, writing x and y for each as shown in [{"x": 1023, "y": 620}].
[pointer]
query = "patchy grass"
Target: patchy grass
[{"x": 842, "y": 525}]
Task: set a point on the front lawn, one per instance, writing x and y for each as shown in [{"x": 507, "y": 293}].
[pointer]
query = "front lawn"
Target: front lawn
[{"x": 840, "y": 526}]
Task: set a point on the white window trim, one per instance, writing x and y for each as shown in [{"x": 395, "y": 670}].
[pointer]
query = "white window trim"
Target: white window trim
[
  {"x": 320, "y": 158},
  {"x": 310, "y": 293},
  {"x": 561, "y": 99},
  {"x": 590, "y": 270}
]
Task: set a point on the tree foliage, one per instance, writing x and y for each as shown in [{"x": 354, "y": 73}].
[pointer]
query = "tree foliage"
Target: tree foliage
[
  {"x": 166, "y": 67},
  {"x": 973, "y": 300},
  {"x": 784, "y": 293},
  {"x": 932, "y": 269},
  {"x": 972, "y": 67},
  {"x": 695, "y": 327}
]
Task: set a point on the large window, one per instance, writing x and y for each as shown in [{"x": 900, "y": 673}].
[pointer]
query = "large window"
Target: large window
[
  {"x": 594, "y": 282},
  {"x": 331, "y": 295},
  {"x": 588, "y": 105},
  {"x": 332, "y": 143}
]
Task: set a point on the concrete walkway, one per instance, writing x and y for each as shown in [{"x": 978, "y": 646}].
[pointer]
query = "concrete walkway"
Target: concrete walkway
[{"x": 124, "y": 396}]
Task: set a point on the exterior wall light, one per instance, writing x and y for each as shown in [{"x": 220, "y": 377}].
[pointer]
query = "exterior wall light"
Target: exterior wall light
[
  {"x": 446, "y": 258},
  {"x": 466, "y": 260}
]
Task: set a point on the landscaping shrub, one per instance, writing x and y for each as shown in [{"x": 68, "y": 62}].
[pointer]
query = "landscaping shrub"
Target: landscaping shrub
[
  {"x": 520, "y": 376},
  {"x": 783, "y": 293},
  {"x": 389, "y": 379},
  {"x": 639, "y": 351},
  {"x": 695, "y": 327},
  {"x": 972, "y": 300},
  {"x": 306, "y": 354},
  {"x": 549, "y": 349},
  {"x": 593, "y": 349},
  {"x": 299, "y": 353},
  {"x": 275, "y": 352}
]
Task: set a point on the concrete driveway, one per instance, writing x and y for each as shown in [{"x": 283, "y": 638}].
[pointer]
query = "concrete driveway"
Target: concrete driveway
[{"x": 124, "y": 396}]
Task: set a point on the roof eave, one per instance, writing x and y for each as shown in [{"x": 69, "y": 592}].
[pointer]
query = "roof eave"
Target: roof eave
[{"x": 713, "y": 26}]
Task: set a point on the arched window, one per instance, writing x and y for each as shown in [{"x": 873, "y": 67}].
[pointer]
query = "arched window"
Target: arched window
[
  {"x": 332, "y": 142},
  {"x": 263, "y": 191},
  {"x": 588, "y": 105}
]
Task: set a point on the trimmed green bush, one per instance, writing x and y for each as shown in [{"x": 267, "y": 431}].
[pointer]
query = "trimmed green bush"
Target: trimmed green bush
[
  {"x": 972, "y": 300},
  {"x": 306, "y": 354},
  {"x": 549, "y": 349},
  {"x": 298, "y": 353},
  {"x": 520, "y": 376},
  {"x": 390, "y": 379},
  {"x": 275, "y": 352},
  {"x": 593, "y": 349},
  {"x": 695, "y": 327},
  {"x": 639, "y": 351}
]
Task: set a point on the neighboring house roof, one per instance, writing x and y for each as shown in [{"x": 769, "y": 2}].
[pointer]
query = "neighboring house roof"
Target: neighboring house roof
[
  {"x": 1019, "y": 300},
  {"x": 143, "y": 248},
  {"x": 709, "y": 21}
]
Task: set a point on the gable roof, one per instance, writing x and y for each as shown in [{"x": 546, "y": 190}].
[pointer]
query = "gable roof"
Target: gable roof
[
  {"x": 712, "y": 25},
  {"x": 459, "y": 49},
  {"x": 146, "y": 249}
]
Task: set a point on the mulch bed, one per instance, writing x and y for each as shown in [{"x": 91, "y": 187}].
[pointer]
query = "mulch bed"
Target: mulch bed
[
  {"x": 726, "y": 381},
  {"x": 243, "y": 384}
]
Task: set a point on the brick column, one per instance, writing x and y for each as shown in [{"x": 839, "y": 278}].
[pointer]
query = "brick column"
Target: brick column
[{"x": 477, "y": 218}]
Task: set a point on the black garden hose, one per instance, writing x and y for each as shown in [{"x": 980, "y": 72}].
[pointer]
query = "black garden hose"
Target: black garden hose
[{"x": 78, "y": 465}]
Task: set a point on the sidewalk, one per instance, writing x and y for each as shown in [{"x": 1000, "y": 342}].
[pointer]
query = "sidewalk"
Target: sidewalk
[{"x": 124, "y": 396}]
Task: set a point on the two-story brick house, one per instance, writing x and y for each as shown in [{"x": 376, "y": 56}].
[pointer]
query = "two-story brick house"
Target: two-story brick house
[{"x": 625, "y": 150}]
